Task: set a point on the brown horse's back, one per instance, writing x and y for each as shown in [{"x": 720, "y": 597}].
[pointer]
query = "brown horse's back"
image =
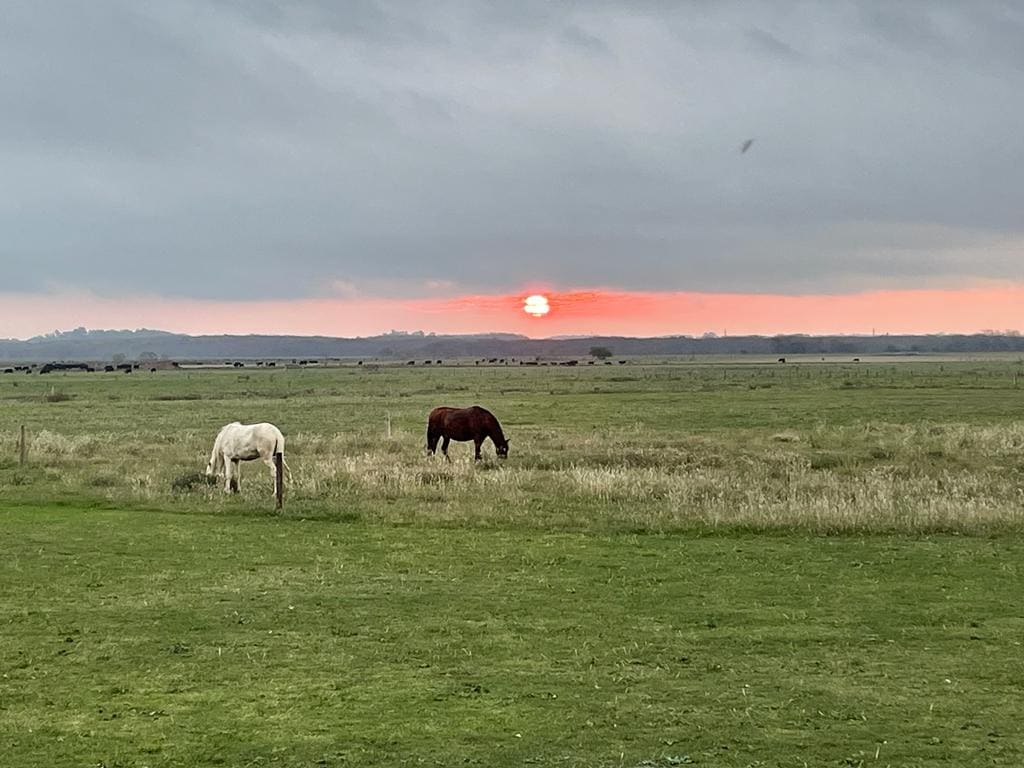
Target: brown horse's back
[{"x": 461, "y": 424}]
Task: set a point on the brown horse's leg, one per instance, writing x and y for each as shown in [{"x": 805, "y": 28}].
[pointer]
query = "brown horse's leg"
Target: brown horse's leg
[
  {"x": 477, "y": 443},
  {"x": 444, "y": 448}
]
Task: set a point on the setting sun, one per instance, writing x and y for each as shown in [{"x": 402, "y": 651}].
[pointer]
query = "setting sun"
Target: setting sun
[{"x": 536, "y": 305}]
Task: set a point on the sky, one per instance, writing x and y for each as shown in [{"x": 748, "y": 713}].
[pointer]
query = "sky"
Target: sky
[{"x": 353, "y": 168}]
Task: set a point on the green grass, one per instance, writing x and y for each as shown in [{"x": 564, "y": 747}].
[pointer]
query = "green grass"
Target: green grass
[
  {"x": 159, "y": 639},
  {"x": 724, "y": 564}
]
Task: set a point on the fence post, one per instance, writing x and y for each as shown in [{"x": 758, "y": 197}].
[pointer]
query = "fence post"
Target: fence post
[
  {"x": 23, "y": 446},
  {"x": 279, "y": 480},
  {"x": 388, "y": 416}
]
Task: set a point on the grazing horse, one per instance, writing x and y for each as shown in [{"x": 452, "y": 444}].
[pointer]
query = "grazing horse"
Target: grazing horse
[
  {"x": 244, "y": 442},
  {"x": 476, "y": 424}
]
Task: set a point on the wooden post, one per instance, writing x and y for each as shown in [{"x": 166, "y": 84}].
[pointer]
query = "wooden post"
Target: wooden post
[
  {"x": 23, "y": 446},
  {"x": 279, "y": 480},
  {"x": 388, "y": 415}
]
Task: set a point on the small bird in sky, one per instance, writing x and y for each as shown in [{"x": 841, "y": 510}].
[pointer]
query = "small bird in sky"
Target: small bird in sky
[{"x": 745, "y": 146}]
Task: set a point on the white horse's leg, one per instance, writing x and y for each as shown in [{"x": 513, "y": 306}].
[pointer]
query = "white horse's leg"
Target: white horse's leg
[
  {"x": 227, "y": 474},
  {"x": 269, "y": 461}
]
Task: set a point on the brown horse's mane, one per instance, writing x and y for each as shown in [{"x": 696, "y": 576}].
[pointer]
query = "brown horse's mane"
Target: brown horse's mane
[{"x": 493, "y": 427}]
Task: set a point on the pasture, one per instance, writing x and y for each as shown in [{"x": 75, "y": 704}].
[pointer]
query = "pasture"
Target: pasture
[{"x": 720, "y": 562}]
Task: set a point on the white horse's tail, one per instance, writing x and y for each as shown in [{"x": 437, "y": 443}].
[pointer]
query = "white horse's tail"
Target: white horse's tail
[{"x": 279, "y": 448}]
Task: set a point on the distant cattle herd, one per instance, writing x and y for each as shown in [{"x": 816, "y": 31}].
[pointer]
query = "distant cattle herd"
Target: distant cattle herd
[{"x": 294, "y": 363}]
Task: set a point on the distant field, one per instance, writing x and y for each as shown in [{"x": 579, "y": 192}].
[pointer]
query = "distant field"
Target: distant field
[{"x": 723, "y": 562}]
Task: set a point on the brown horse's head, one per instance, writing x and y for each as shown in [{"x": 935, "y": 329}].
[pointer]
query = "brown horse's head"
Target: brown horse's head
[{"x": 501, "y": 448}]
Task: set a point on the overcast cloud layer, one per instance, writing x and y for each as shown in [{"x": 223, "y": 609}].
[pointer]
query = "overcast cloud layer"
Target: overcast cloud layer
[{"x": 276, "y": 150}]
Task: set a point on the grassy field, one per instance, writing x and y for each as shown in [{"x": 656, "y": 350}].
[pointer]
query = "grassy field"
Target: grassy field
[
  {"x": 728, "y": 564},
  {"x": 905, "y": 447}
]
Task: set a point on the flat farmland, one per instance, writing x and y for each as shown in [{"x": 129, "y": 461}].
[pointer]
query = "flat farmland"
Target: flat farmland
[{"x": 726, "y": 563}]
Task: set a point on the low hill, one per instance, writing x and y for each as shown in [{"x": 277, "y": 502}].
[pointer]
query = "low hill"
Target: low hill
[{"x": 100, "y": 345}]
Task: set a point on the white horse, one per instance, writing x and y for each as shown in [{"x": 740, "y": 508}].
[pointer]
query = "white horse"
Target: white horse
[{"x": 244, "y": 442}]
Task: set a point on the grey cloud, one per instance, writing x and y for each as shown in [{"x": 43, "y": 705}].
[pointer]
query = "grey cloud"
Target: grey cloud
[
  {"x": 576, "y": 36},
  {"x": 273, "y": 149},
  {"x": 769, "y": 44}
]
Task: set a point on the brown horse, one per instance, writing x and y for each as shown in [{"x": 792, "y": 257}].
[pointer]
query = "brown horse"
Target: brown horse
[{"x": 476, "y": 424}]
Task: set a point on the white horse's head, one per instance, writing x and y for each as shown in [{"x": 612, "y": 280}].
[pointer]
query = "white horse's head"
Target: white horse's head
[{"x": 215, "y": 466}]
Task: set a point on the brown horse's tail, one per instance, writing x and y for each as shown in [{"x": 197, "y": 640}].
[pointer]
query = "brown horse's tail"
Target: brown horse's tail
[{"x": 434, "y": 430}]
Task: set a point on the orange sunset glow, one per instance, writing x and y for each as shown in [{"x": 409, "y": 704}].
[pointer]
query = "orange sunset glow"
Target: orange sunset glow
[{"x": 593, "y": 311}]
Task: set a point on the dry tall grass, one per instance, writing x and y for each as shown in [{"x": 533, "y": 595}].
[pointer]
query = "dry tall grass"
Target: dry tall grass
[{"x": 873, "y": 477}]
